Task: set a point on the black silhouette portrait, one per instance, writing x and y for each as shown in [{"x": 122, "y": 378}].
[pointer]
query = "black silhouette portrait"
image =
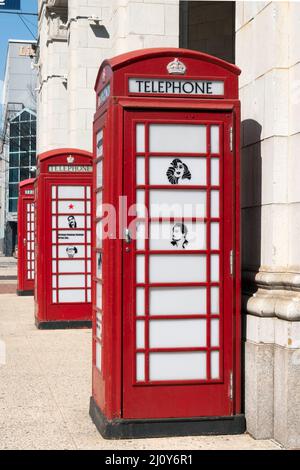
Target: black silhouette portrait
[
  {"x": 179, "y": 234},
  {"x": 178, "y": 171},
  {"x": 72, "y": 221},
  {"x": 71, "y": 251}
]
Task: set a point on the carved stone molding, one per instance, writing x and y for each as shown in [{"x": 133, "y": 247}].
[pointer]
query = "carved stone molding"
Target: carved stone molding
[{"x": 273, "y": 303}]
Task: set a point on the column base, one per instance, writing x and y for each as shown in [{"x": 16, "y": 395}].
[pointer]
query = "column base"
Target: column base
[{"x": 165, "y": 427}]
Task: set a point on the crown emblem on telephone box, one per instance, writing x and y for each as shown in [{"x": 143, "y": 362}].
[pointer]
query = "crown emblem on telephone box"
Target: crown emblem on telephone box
[
  {"x": 176, "y": 67},
  {"x": 70, "y": 159}
]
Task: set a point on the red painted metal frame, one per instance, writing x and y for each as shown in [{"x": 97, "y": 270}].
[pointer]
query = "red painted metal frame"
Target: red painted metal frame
[
  {"x": 108, "y": 384},
  {"x": 45, "y": 309},
  {"x": 25, "y": 254}
]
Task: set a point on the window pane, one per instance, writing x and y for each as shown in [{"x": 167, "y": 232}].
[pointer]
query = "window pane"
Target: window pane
[
  {"x": 33, "y": 128},
  {"x": 13, "y": 205},
  {"x": 14, "y": 159},
  {"x": 24, "y": 174},
  {"x": 14, "y": 144},
  {"x": 14, "y": 129},
  {"x": 13, "y": 190},
  {"x": 14, "y": 175},
  {"x": 24, "y": 159},
  {"x": 33, "y": 159},
  {"x": 25, "y": 116},
  {"x": 33, "y": 143},
  {"x": 25, "y": 128},
  {"x": 24, "y": 144}
]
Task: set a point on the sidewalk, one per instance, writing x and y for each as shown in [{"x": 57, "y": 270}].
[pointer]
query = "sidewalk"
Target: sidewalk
[
  {"x": 8, "y": 274},
  {"x": 45, "y": 387}
]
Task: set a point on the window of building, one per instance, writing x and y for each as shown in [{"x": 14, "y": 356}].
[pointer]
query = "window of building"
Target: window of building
[
  {"x": 208, "y": 27},
  {"x": 22, "y": 153}
]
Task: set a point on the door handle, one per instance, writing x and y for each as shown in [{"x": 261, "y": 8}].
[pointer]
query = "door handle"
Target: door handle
[
  {"x": 127, "y": 236},
  {"x": 24, "y": 241}
]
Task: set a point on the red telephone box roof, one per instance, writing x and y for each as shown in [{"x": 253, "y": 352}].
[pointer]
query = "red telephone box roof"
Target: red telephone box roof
[
  {"x": 123, "y": 60},
  {"x": 61, "y": 151},
  {"x": 26, "y": 182}
]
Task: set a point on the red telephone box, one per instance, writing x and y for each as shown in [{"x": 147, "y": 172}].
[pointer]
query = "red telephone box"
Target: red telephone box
[
  {"x": 166, "y": 275},
  {"x": 63, "y": 197},
  {"x": 26, "y": 238}
]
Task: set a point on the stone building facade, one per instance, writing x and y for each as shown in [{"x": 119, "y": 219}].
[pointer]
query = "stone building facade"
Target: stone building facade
[{"x": 263, "y": 39}]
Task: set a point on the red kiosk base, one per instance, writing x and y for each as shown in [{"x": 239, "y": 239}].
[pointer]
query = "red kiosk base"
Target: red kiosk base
[
  {"x": 62, "y": 325},
  {"x": 165, "y": 427},
  {"x": 24, "y": 293}
]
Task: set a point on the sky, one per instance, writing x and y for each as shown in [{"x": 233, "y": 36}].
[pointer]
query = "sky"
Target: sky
[{"x": 11, "y": 27}]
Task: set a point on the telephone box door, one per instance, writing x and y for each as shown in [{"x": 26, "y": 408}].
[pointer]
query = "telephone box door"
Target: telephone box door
[
  {"x": 178, "y": 309},
  {"x": 26, "y": 246}
]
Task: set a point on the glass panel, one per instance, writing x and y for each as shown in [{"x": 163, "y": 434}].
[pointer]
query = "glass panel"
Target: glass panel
[
  {"x": 177, "y": 138},
  {"x": 13, "y": 190},
  {"x": 140, "y": 268},
  {"x": 177, "y": 366},
  {"x": 214, "y": 204},
  {"x": 72, "y": 266},
  {"x": 98, "y": 355},
  {"x": 177, "y": 203},
  {"x": 214, "y": 139},
  {"x": 71, "y": 251},
  {"x": 71, "y": 207},
  {"x": 98, "y": 325},
  {"x": 177, "y": 300},
  {"x": 65, "y": 236},
  {"x": 174, "y": 268},
  {"x": 71, "y": 221},
  {"x": 140, "y": 334},
  {"x": 140, "y": 236},
  {"x": 54, "y": 296},
  {"x": 99, "y": 265},
  {"x": 53, "y": 191},
  {"x": 99, "y": 295},
  {"x": 99, "y": 174},
  {"x": 140, "y": 138},
  {"x": 177, "y": 333},
  {"x": 140, "y": 367},
  {"x": 214, "y": 332},
  {"x": 140, "y": 170},
  {"x": 53, "y": 209},
  {"x": 140, "y": 301},
  {"x": 71, "y": 281},
  {"x": 53, "y": 281},
  {"x": 140, "y": 203},
  {"x": 214, "y": 236},
  {"x": 214, "y": 172},
  {"x": 99, "y": 152},
  {"x": 214, "y": 268},
  {"x": 99, "y": 234},
  {"x": 177, "y": 235},
  {"x": 183, "y": 170},
  {"x": 12, "y": 205},
  {"x": 214, "y": 364},
  {"x": 72, "y": 295},
  {"x": 70, "y": 192}
]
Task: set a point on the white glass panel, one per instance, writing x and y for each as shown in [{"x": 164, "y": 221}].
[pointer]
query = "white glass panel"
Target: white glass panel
[
  {"x": 177, "y": 138},
  {"x": 214, "y": 236},
  {"x": 88, "y": 266},
  {"x": 53, "y": 251},
  {"x": 71, "y": 207},
  {"x": 88, "y": 207},
  {"x": 53, "y": 236},
  {"x": 53, "y": 191},
  {"x": 88, "y": 192},
  {"x": 140, "y": 138},
  {"x": 176, "y": 235},
  {"x": 140, "y": 268},
  {"x": 214, "y": 204},
  {"x": 214, "y": 172},
  {"x": 214, "y": 139},
  {"x": 71, "y": 251},
  {"x": 214, "y": 365},
  {"x": 140, "y": 203},
  {"x": 178, "y": 366},
  {"x": 99, "y": 152},
  {"x": 54, "y": 266},
  {"x": 89, "y": 296},
  {"x": 99, "y": 295},
  {"x": 179, "y": 170},
  {"x": 98, "y": 355},
  {"x": 53, "y": 281},
  {"x": 140, "y": 334},
  {"x": 88, "y": 236},
  {"x": 140, "y": 301},
  {"x": 99, "y": 265},
  {"x": 214, "y": 332},
  {"x": 65, "y": 236},
  {"x": 140, "y": 367},
  {"x": 140, "y": 236},
  {"x": 140, "y": 170},
  {"x": 54, "y": 222},
  {"x": 88, "y": 281},
  {"x": 174, "y": 268},
  {"x": 88, "y": 251},
  {"x": 71, "y": 281},
  {"x": 71, "y": 221},
  {"x": 53, "y": 207},
  {"x": 177, "y": 203},
  {"x": 177, "y": 300},
  {"x": 72, "y": 295},
  {"x": 214, "y": 300},
  {"x": 88, "y": 221},
  {"x": 98, "y": 325},
  {"x": 99, "y": 234},
  {"x": 177, "y": 333},
  {"x": 54, "y": 296},
  {"x": 99, "y": 171},
  {"x": 70, "y": 192},
  {"x": 99, "y": 204},
  {"x": 214, "y": 268},
  {"x": 71, "y": 266}
]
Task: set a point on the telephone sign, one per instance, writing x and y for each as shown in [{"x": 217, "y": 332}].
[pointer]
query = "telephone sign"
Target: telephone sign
[{"x": 166, "y": 251}]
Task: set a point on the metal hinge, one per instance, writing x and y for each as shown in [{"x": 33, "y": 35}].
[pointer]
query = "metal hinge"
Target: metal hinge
[
  {"x": 231, "y": 385},
  {"x": 231, "y": 256},
  {"x": 231, "y": 139}
]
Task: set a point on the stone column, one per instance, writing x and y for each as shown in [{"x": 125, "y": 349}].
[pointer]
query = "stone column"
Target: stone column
[{"x": 267, "y": 34}]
